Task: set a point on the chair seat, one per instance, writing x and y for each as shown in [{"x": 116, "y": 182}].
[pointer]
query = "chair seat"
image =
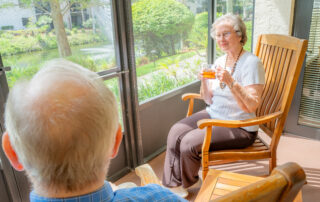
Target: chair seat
[
  {"x": 258, "y": 150},
  {"x": 220, "y": 183}
]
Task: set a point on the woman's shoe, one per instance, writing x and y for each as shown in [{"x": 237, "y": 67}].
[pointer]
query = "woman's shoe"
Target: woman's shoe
[
  {"x": 180, "y": 191},
  {"x": 196, "y": 185}
]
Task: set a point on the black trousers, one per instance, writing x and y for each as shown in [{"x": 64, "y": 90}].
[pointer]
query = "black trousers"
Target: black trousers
[{"x": 184, "y": 143}]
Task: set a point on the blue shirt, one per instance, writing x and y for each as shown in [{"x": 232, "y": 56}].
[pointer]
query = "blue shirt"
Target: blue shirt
[{"x": 151, "y": 192}]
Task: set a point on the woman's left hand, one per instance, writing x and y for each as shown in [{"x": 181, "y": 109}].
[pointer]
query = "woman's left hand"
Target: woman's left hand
[{"x": 223, "y": 75}]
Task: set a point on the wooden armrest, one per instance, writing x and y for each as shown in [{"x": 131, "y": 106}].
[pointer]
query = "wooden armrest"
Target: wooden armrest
[
  {"x": 284, "y": 184},
  {"x": 188, "y": 96},
  {"x": 238, "y": 123},
  {"x": 295, "y": 176}
]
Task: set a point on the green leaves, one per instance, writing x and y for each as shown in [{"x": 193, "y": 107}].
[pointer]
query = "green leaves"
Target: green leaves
[
  {"x": 160, "y": 23},
  {"x": 198, "y": 37},
  {"x": 162, "y": 17}
]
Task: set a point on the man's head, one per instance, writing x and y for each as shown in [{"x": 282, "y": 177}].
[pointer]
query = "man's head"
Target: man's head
[{"x": 62, "y": 126}]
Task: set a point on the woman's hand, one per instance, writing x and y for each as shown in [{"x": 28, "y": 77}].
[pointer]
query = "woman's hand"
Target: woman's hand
[{"x": 223, "y": 75}]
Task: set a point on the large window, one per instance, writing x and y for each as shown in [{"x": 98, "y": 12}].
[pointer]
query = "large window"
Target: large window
[
  {"x": 88, "y": 40},
  {"x": 243, "y": 8},
  {"x": 171, "y": 38}
]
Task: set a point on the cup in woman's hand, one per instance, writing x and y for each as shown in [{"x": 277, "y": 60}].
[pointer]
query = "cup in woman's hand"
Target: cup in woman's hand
[{"x": 207, "y": 72}]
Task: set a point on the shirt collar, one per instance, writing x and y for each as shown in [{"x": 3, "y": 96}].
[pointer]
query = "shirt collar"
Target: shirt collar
[{"x": 105, "y": 193}]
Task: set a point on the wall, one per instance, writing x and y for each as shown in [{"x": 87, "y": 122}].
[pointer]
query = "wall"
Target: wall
[
  {"x": 156, "y": 117},
  {"x": 12, "y": 16},
  {"x": 273, "y": 16}
]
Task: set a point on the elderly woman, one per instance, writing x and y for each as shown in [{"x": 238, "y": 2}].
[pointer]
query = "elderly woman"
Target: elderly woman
[{"x": 235, "y": 94}]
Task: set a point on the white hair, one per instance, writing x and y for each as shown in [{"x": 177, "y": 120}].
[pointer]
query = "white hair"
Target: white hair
[
  {"x": 233, "y": 20},
  {"x": 62, "y": 125}
]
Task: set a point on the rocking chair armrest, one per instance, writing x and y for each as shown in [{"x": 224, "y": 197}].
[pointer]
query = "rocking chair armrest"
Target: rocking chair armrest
[
  {"x": 188, "y": 96},
  {"x": 239, "y": 123}
]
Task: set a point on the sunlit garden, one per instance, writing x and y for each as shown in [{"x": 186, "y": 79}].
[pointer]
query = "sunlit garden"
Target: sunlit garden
[{"x": 170, "y": 41}]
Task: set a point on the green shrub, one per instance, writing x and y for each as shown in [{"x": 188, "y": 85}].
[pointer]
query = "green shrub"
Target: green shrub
[
  {"x": 142, "y": 60},
  {"x": 68, "y": 32},
  {"x": 84, "y": 61},
  {"x": 8, "y": 27},
  {"x": 20, "y": 73},
  {"x": 74, "y": 30},
  {"x": 158, "y": 84},
  {"x": 44, "y": 23},
  {"x": 160, "y": 24},
  {"x": 158, "y": 64},
  {"x": 88, "y": 23},
  {"x": 247, "y": 46},
  {"x": 23, "y": 41},
  {"x": 198, "y": 37}
]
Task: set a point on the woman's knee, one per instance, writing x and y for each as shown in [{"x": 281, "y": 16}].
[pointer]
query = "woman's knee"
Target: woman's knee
[
  {"x": 175, "y": 135},
  {"x": 189, "y": 147}
]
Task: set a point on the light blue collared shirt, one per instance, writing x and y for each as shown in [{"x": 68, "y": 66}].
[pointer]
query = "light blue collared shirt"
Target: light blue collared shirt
[{"x": 151, "y": 192}]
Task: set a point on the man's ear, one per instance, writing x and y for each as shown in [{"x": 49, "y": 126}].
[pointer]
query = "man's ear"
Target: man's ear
[
  {"x": 117, "y": 142},
  {"x": 10, "y": 153}
]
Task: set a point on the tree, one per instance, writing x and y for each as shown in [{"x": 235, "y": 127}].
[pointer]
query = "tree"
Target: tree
[
  {"x": 57, "y": 18},
  {"x": 198, "y": 37},
  {"x": 57, "y": 9},
  {"x": 160, "y": 24}
]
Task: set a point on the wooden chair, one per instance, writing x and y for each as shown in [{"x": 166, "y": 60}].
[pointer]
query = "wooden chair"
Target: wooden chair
[
  {"x": 282, "y": 57},
  {"x": 284, "y": 184}
]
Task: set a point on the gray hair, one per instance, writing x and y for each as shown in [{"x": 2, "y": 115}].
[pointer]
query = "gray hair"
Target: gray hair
[
  {"x": 233, "y": 20},
  {"x": 62, "y": 125}
]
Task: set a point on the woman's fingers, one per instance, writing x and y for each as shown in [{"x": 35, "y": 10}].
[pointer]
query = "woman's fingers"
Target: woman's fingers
[
  {"x": 223, "y": 75},
  {"x": 200, "y": 76}
]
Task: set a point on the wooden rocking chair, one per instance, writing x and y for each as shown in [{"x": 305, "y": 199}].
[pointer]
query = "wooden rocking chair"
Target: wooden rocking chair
[
  {"x": 282, "y": 57},
  {"x": 284, "y": 184}
]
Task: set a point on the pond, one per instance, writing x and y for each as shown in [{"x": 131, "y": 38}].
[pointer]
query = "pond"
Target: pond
[{"x": 97, "y": 51}]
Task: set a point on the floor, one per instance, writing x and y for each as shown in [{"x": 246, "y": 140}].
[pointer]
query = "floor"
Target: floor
[{"x": 305, "y": 152}]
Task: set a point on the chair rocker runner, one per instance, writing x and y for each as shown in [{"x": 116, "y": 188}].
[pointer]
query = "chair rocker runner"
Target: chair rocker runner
[{"x": 282, "y": 57}]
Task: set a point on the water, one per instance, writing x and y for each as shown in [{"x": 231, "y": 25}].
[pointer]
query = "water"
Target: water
[
  {"x": 96, "y": 51},
  {"x": 103, "y": 18},
  {"x": 102, "y": 52}
]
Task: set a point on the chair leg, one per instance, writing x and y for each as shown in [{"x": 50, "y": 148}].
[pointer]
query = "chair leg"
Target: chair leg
[
  {"x": 204, "y": 173},
  {"x": 272, "y": 164},
  {"x": 205, "y": 165}
]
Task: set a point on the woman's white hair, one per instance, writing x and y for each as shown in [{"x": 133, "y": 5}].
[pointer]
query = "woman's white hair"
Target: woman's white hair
[
  {"x": 235, "y": 21},
  {"x": 62, "y": 125}
]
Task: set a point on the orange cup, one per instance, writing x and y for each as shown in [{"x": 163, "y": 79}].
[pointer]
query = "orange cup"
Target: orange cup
[{"x": 209, "y": 75}]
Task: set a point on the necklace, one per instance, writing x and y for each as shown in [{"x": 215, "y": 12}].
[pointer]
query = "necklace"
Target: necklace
[{"x": 223, "y": 85}]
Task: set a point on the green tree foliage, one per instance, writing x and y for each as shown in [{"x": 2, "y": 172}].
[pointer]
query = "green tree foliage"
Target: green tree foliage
[
  {"x": 160, "y": 24},
  {"x": 198, "y": 37},
  {"x": 56, "y": 9}
]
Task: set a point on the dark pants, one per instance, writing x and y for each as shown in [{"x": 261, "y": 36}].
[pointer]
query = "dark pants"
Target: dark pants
[{"x": 184, "y": 143}]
